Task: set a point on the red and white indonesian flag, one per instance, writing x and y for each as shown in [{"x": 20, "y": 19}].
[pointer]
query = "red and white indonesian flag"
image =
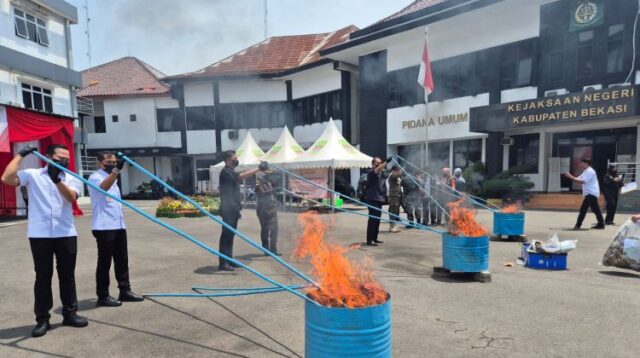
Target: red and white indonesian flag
[
  {"x": 424, "y": 76},
  {"x": 4, "y": 131}
]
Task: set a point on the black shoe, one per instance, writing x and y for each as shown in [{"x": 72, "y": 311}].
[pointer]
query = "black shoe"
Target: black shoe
[
  {"x": 378, "y": 241},
  {"x": 598, "y": 226},
  {"x": 233, "y": 265},
  {"x": 41, "y": 328},
  {"x": 225, "y": 267},
  {"x": 276, "y": 253},
  {"x": 108, "y": 302},
  {"x": 128, "y": 296},
  {"x": 576, "y": 228},
  {"x": 407, "y": 227},
  {"x": 371, "y": 244},
  {"x": 74, "y": 320}
]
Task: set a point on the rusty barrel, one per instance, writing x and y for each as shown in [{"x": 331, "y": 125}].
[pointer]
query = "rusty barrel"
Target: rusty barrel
[
  {"x": 465, "y": 254},
  {"x": 510, "y": 224},
  {"x": 347, "y": 332}
]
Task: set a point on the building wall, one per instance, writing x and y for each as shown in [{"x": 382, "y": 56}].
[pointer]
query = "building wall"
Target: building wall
[
  {"x": 201, "y": 142},
  {"x": 11, "y": 90},
  {"x": 252, "y": 91},
  {"x": 316, "y": 80},
  {"x": 54, "y": 53}
]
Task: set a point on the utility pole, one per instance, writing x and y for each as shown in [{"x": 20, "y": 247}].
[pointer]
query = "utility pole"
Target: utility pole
[
  {"x": 86, "y": 31},
  {"x": 266, "y": 26}
]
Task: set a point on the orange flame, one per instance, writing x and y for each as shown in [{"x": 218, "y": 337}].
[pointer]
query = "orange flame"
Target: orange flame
[
  {"x": 512, "y": 208},
  {"x": 343, "y": 282},
  {"x": 463, "y": 221}
]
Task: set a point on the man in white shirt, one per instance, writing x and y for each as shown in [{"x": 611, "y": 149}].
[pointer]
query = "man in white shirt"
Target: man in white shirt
[
  {"x": 590, "y": 192},
  {"x": 108, "y": 228},
  {"x": 51, "y": 231}
]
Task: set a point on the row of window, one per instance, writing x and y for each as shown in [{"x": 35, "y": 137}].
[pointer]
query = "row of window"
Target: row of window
[
  {"x": 100, "y": 126},
  {"x": 31, "y": 27},
  {"x": 303, "y": 111}
]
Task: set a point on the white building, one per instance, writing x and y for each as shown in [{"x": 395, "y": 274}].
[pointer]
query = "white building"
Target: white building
[
  {"x": 36, "y": 69},
  {"x": 129, "y": 102}
]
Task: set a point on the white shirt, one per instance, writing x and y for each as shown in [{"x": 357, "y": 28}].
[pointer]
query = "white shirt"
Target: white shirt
[
  {"x": 107, "y": 213},
  {"x": 590, "y": 185},
  {"x": 50, "y": 215}
]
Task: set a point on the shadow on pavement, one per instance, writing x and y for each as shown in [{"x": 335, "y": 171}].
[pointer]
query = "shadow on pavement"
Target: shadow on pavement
[
  {"x": 620, "y": 274},
  {"x": 23, "y": 333},
  {"x": 83, "y": 305},
  {"x": 249, "y": 340}
]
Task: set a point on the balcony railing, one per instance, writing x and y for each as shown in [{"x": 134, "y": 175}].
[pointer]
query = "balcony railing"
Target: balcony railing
[{"x": 85, "y": 106}]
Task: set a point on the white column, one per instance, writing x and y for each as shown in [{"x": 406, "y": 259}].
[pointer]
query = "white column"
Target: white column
[
  {"x": 483, "y": 157},
  {"x": 451, "y": 155},
  {"x": 505, "y": 155},
  {"x": 542, "y": 160}
]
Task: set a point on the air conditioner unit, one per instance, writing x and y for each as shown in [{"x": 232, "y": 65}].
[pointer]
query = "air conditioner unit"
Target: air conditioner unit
[
  {"x": 233, "y": 135},
  {"x": 623, "y": 84},
  {"x": 556, "y": 92},
  {"x": 591, "y": 88},
  {"x": 506, "y": 141}
]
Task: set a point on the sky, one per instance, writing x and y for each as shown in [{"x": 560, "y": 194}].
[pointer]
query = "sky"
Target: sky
[{"x": 182, "y": 36}]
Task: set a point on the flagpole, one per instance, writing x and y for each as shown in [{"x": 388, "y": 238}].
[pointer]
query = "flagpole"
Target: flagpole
[{"x": 426, "y": 117}]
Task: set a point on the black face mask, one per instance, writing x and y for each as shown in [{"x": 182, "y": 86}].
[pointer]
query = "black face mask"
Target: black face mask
[
  {"x": 109, "y": 168},
  {"x": 235, "y": 162},
  {"x": 61, "y": 162}
]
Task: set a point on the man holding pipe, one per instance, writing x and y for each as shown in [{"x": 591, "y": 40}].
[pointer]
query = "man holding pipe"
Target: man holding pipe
[
  {"x": 231, "y": 203},
  {"x": 375, "y": 198},
  {"x": 590, "y": 192},
  {"x": 51, "y": 232},
  {"x": 267, "y": 209},
  {"x": 107, "y": 226}
]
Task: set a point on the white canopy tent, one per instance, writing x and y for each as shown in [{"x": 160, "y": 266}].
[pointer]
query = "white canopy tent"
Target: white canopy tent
[
  {"x": 249, "y": 155},
  {"x": 331, "y": 151},
  {"x": 285, "y": 150}
]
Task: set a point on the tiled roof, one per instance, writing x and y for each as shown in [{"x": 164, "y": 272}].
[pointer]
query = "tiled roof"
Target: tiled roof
[
  {"x": 411, "y": 8},
  {"x": 127, "y": 76},
  {"x": 274, "y": 55}
]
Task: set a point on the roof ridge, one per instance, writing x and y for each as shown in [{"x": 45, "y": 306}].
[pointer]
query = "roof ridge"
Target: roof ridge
[
  {"x": 152, "y": 70},
  {"x": 106, "y": 63}
]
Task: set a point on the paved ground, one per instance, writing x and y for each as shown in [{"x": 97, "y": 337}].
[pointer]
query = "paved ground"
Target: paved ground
[{"x": 588, "y": 311}]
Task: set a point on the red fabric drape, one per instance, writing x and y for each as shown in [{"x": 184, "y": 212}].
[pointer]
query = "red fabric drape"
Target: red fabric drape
[{"x": 26, "y": 126}]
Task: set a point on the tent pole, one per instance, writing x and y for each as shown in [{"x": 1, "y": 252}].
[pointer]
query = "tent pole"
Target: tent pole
[
  {"x": 284, "y": 194},
  {"x": 332, "y": 176}
]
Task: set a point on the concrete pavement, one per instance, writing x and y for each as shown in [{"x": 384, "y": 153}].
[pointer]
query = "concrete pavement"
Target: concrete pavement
[{"x": 587, "y": 311}]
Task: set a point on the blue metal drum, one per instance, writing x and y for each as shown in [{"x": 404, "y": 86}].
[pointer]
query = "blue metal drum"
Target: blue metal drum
[
  {"x": 510, "y": 224},
  {"x": 465, "y": 254},
  {"x": 332, "y": 332}
]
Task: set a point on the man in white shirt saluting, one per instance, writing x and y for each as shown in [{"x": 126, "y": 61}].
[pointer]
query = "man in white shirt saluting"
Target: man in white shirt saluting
[
  {"x": 107, "y": 225},
  {"x": 51, "y": 231},
  {"x": 590, "y": 192}
]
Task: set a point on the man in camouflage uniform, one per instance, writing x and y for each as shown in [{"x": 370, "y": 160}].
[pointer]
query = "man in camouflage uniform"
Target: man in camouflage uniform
[
  {"x": 395, "y": 196},
  {"x": 412, "y": 200},
  {"x": 267, "y": 211}
]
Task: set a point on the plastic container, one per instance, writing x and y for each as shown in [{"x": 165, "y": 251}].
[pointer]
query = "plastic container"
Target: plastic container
[
  {"x": 347, "y": 332},
  {"x": 465, "y": 254},
  {"x": 509, "y": 224},
  {"x": 544, "y": 261}
]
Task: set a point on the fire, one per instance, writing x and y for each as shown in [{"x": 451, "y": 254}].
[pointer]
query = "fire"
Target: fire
[
  {"x": 343, "y": 282},
  {"x": 512, "y": 208},
  {"x": 463, "y": 221}
]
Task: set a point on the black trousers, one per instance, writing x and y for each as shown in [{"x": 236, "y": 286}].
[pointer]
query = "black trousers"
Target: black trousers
[
  {"x": 65, "y": 250},
  {"x": 230, "y": 217},
  {"x": 112, "y": 245},
  {"x": 590, "y": 201},
  {"x": 268, "y": 219},
  {"x": 426, "y": 214},
  {"x": 373, "y": 225},
  {"x": 612, "y": 206}
]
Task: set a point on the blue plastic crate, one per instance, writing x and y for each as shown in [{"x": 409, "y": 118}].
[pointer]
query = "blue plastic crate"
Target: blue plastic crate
[{"x": 544, "y": 261}]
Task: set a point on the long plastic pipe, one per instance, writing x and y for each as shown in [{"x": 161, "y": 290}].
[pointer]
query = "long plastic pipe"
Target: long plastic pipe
[
  {"x": 403, "y": 220},
  {"x": 228, "y": 294},
  {"x": 218, "y": 220},
  {"x": 451, "y": 191},
  {"x": 366, "y": 215},
  {"x": 415, "y": 181},
  {"x": 203, "y": 288},
  {"x": 172, "y": 229}
]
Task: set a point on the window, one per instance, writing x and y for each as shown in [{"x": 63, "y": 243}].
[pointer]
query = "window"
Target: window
[
  {"x": 313, "y": 109},
  {"x": 466, "y": 152},
  {"x": 114, "y": 119},
  {"x": 38, "y": 98},
  {"x": 200, "y": 118},
  {"x": 99, "y": 124},
  {"x": 615, "y": 49},
  {"x": 556, "y": 64},
  {"x": 31, "y": 28},
  {"x": 585, "y": 54},
  {"x": 403, "y": 88},
  {"x": 523, "y": 154},
  {"x": 516, "y": 65},
  {"x": 132, "y": 118},
  {"x": 169, "y": 120}
]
